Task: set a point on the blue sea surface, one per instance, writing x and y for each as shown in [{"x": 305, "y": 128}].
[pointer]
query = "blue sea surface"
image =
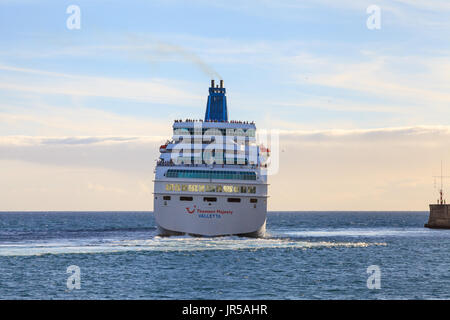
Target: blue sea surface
[{"x": 305, "y": 255}]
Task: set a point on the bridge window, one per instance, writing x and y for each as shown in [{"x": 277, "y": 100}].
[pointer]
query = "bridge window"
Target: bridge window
[
  {"x": 251, "y": 189},
  {"x": 209, "y": 188},
  {"x": 227, "y": 188},
  {"x": 234, "y": 200},
  {"x": 211, "y": 174},
  {"x": 186, "y": 198}
]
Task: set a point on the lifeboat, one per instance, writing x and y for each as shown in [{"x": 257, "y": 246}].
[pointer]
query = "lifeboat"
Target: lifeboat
[
  {"x": 263, "y": 149},
  {"x": 163, "y": 148}
]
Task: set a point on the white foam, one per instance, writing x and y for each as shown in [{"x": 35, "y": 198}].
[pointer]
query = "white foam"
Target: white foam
[
  {"x": 353, "y": 232},
  {"x": 168, "y": 244}
]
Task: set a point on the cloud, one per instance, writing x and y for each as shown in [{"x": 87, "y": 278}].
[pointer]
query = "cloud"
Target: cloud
[
  {"x": 73, "y": 141},
  {"x": 125, "y": 154},
  {"x": 43, "y": 119},
  {"x": 367, "y": 169},
  {"x": 403, "y": 13},
  {"x": 55, "y": 83},
  {"x": 361, "y": 169},
  {"x": 381, "y": 80},
  {"x": 434, "y": 5},
  {"x": 422, "y": 83},
  {"x": 74, "y": 150},
  {"x": 414, "y": 133},
  {"x": 37, "y": 186}
]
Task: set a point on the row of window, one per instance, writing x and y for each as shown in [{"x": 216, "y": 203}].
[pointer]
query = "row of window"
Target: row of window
[
  {"x": 218, "y": 152},
  {"x": 216, "y": 132},
  {"x": 205, "y": 174},
  {"x": 210, "y": 188},
  {"x": 209, "y": 199},
  {"x": 215, "y": 160}
]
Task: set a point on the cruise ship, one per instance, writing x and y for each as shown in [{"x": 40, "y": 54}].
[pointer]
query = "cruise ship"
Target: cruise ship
[{"x": 211, "y": 176}]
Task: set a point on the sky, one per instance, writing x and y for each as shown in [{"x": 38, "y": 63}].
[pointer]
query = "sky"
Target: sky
[{"x": 363, "y": 114}]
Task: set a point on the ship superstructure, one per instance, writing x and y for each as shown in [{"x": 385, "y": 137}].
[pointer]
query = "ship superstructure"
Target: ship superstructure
[{"x": 210, "y": 177}]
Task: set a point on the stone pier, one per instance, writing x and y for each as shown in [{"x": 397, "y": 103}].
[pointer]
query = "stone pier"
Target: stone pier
[{"x": 439, "y": 216}]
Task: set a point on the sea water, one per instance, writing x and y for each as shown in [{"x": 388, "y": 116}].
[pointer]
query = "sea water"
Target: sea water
[{"x": 305, "y": 255}]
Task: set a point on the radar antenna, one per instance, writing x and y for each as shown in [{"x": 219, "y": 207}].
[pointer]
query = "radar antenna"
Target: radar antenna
[{"x": 441, "y": 199}]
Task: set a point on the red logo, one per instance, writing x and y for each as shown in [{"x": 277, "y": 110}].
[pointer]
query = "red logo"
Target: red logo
[{"x": 191, "y": 211}]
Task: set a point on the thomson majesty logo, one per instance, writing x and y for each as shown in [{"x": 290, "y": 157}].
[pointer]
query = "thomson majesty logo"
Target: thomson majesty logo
[
  {"x": 202, "y": 212},
  {"x": 190, "y": 211}
]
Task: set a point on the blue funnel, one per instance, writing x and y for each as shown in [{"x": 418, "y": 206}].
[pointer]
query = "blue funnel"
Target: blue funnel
[{"x": 216, "y": 108}]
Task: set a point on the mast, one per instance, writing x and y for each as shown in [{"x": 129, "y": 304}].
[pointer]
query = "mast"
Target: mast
[
  {"x": 442, "y": 186},
  {"x": 441, "y": 199}
]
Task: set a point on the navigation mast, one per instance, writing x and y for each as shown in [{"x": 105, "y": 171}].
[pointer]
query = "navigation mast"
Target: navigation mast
[{"x": 441, "y": 199}]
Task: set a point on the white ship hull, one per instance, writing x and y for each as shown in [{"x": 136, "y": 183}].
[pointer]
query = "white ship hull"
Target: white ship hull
[{"x": 219, "y": 218}]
